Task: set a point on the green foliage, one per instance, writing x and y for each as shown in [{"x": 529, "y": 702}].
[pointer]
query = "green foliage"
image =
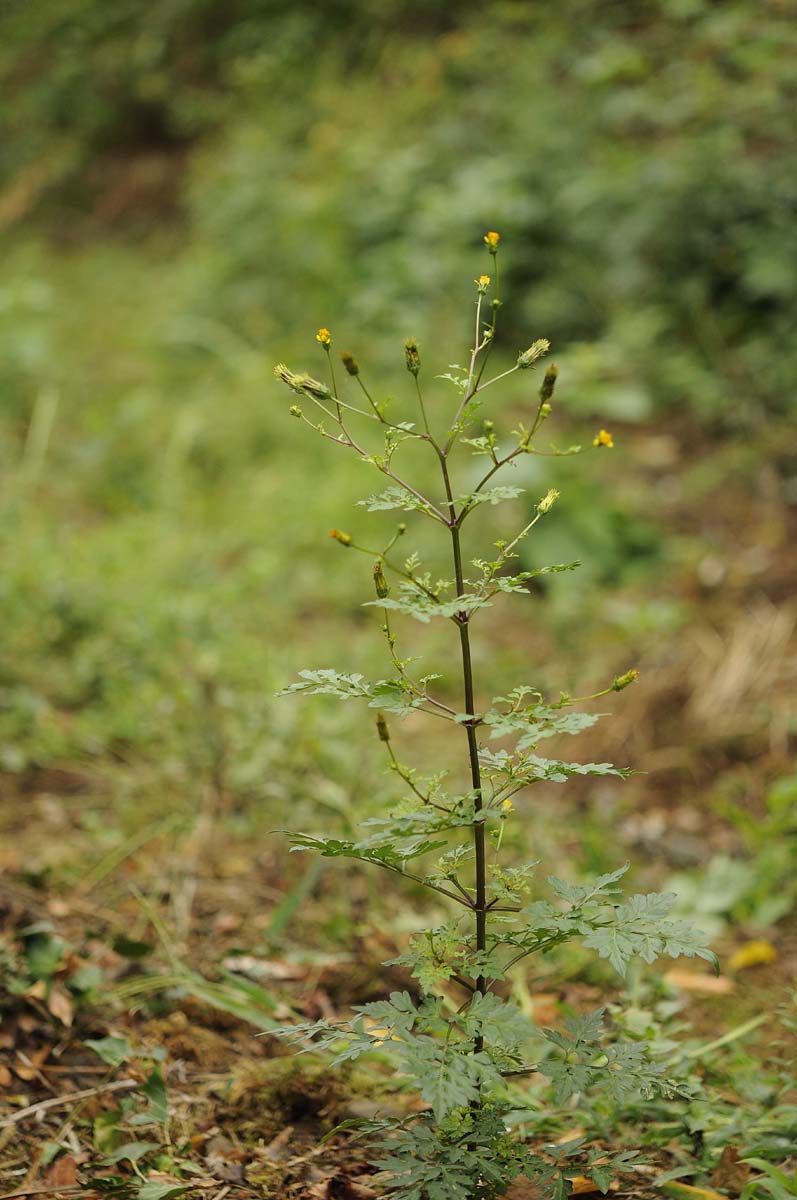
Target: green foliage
[{"x": 459, "y": 1058}]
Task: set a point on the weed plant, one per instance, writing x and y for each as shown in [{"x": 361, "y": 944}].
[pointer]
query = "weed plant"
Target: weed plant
[{"x": 459, "y": 1040}]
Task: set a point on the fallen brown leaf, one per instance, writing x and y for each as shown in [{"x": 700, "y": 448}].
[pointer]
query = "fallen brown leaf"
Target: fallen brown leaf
[
  {"x": 730, "y": 1173},
  {"x": 700, "y": 984},
  {"x": 63, "y": 1173}
]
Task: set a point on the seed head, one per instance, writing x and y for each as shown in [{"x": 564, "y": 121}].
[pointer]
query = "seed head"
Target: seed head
[
  {"x": 340, "y": 536},
  {"x": 412, "y": 356},
  {"x": 324, "y": 338},
  {"x": 527, "y": 358},
  {"x": 305, "y": 385},
  {"x": 549, "y": 499},
  {"x": 603, "y": 438},
  {"x": 491, "y": 241},
  {"x": 623, "y": 681},
  {"x": 349, "y": 362}
]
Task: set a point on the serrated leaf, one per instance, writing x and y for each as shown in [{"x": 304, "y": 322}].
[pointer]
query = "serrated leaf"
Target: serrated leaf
[{"x": 328, "y": 682}]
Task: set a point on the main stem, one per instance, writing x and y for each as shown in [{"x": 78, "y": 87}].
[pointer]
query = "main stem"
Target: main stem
[{"x": 480, "y": 905}]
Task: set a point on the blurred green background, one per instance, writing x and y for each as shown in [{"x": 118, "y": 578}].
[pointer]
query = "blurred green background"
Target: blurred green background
[{"x": 187, "y": 191}]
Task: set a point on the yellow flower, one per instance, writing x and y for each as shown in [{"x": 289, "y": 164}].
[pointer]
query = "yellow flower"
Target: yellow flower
[
  {"x": 482, "y": 283},
  {"x": 491, "y": 241},
  {"x": 324, "y": 338},
  {"x": 340, "y": 536},
  {"x": 507, "y": 806},
  {"x": 603, "y": 438}
]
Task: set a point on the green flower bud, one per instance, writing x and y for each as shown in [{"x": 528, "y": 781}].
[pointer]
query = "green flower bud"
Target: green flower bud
[
  {"x": 380, "y": 583},
  {"x": 412, "y": 356},
  {"x": 549, "y": 382},
  {"x": 381, "y": 727},
  {"x": 295, "y": 411},
  {"x": 623, "y": 681}
]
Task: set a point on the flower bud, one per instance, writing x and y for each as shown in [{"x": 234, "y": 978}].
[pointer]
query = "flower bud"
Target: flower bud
[
  {"x": 482, "y": 284},
  {"x": 350, "y": 363},
  {"x": 527, "y": 358},
  {"x": 623, "y": 681},
  {"x": 548, "y": 383},
  {"x": 324, "y": 338},
  {"x": 412, "y": 356},
  {"x": 295, "y": 411},
  {"x": 491, "y": 241},
  {"x": 380, "y": 583},
  {"x": 381, "y": 727},
  {"x": 545, "y": 410},
  {"x": 402, "y": 528},
  {"x": 340, "y": 536}
]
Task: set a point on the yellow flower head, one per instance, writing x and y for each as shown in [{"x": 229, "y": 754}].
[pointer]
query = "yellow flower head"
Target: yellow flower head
[
  {"x": 603, "y": 438},
  {"x": 340, "y": 536},
  {"x": 507, "y": 806},
  {"x": 491, "y": 241},
  {"x": 324, "y": 338},
  {"x": 482, "y": 283}
]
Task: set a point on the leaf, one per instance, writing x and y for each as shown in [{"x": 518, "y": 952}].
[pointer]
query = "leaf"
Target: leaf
[
  {"x": 155, "y": 1091},
  {"x": 491, "y": 495},
  {"x": 130, "y": 948},
  {"x": 327, "y": 682},
  {"x": 112, "y": 1050},
  {"x": 132, "y": 1151},
  {"x": 417, "y": 604},
  {"x": 577, "y": 894},
  {"x": 161, "y": 1191},
  {"x": 394, "y": 497}
]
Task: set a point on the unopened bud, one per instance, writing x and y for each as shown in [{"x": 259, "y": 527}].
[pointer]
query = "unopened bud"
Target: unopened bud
[
  {"x": 295, "y": 411},
  {"x": 402, "y": 528},
  {"x": 527, "y": 358},
  {"x": 340, "y": 536},
  {"x": 380, "y": 583},
  {"x": 412, "y": 356},
  {"x": 491, "y": 241},
  {"x": 549, "y": 382},
  {"x": 488, "y": 427},
  {"x": 545, "y": 410},
  {"x": 350, "y": 363},
  {"x": 623, "y": 681},
  {"x": 381, "y": 727},
  {"x": 324, "y": 338}
]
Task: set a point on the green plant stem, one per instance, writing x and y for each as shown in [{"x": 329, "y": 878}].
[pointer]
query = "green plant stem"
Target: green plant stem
[{"x": 479, "y": 844}]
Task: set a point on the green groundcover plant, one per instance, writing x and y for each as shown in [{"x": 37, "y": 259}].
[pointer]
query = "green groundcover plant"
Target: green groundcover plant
[{"x": 461, "y": 1043}]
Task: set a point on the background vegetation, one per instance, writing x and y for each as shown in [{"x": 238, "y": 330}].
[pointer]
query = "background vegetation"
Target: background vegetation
[{"x": 187, "y": 191}]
